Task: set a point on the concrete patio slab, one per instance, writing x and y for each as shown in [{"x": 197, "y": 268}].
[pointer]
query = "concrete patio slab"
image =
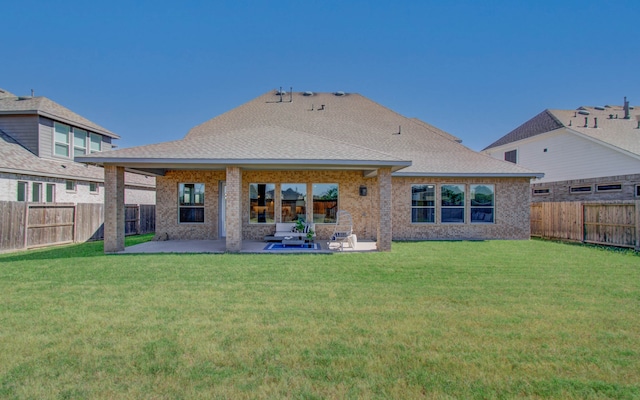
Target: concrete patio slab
[{"x": 219, "y": 246}]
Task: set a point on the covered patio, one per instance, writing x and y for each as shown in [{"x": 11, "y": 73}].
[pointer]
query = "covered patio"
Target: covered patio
[{"x": 248, "y": 246}]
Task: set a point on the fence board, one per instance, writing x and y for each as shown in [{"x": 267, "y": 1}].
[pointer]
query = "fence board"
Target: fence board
[
  {"x": 12, "y": 218},
  {"x": 29, "y": 225},
  {"x": 611, "y": 223}
]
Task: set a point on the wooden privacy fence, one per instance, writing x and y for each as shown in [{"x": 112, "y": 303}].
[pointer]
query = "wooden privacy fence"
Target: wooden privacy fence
[
  {"x": 29, "y": 225},
  {"x": 606, "y": 223}
]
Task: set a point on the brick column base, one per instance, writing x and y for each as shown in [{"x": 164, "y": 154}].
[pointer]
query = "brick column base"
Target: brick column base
[
  {"x": 385, "y": 233},
  {"x": 233, "y": 216},
  {"x": 113, "y": 209}
]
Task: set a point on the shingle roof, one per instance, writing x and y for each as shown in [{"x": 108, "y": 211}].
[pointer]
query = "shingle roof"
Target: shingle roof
[
  {"x": 11, "y": 104},
  {"x": 14, "y": 158},
  {"x": 322, "y": 126},
  {"x": 613, "y": 129}
]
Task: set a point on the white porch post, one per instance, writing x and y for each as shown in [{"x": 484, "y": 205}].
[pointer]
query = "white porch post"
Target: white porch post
[
  {"x": 113, "y": 209},
  {"x": 385, "y": 233},
  {"x": 233, "y": 215}
]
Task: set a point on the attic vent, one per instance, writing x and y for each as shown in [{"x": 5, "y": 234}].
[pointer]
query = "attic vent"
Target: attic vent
[
  {"x": 599, "y": 108},
  {"x": 340, "y": 93},
  {"x": 281, "y": 92},
  {"x": 24, "y": 98},
  {"x": 308, "y": 93},
  {"x": 583, "y": 112},
  {"x": 581, "y": 108}
]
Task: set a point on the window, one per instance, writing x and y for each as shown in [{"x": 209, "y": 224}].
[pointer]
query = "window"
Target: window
[
  {"x": 70, "y": 185},
  {"x": 93, "y": 188},
  {"x": 261, "y": 202},
  {"x": 96, "y": 143},
  {"x": 36, "y": 192},
  {"x": 61, "y": 139},
  {"x": 50, "y": 195},
  {"x": 452, "y": 202},
  {"x": 325, "y": 203},
  {"x": 511, "y": 156},
  {"x": 615, "y": 187},
  {"x": 580, "y": 189},
  {"x": 22, "y": 191},
  {"x": 637, "y": 190},
  {"x": 541, "y": 192},
  {"x": 191, "y": 202},
  {"x": 482, "y": 203},
  {"x": 79, "y": 142},
  {"x": 423, "y": 203},
  {"x": 294, "y": 201}
]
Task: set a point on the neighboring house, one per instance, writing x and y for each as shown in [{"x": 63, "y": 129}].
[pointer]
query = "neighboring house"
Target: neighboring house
[
  {"x": 284, "y": 156},
  {"x": 38, "y": 142},
  {"x": 588, "y": 154}
]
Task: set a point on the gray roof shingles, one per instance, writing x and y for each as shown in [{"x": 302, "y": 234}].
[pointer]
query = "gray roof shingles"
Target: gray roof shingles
[
  {"x": 321, "y": 127},
  {"x": 612, "y": 128}
]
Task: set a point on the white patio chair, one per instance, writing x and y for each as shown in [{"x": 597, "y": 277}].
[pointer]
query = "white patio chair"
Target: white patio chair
[{"x": 342, "y": 231}]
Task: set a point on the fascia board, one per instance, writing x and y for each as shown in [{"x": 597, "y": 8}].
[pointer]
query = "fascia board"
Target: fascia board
[{"x": 470, "y": 175}]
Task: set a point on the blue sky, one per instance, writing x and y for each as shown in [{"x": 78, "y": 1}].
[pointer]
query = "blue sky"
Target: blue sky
[{"x": 151, "y": 70}]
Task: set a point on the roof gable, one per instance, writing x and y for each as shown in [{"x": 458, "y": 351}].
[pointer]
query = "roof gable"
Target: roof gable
[
  {"x": 11, "y": 104},
  {"x": 544, "y": 122}
]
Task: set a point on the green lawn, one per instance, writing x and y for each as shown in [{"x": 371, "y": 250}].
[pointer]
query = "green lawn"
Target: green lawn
[{"x": 507, "y": 319}]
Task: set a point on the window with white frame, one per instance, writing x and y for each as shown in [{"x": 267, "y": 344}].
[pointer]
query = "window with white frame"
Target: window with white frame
[
  {"x": 637, "y": 190},
  {"x": 36, "y": 192},
  {"x": 452, "y": 204},
  {"x": 50, "y": 194},
  {"x": 261, "y": 203},
  {"x": 293, "y": 198},
  {"x": 609, "y": 187},
  {"x": 22, "y": 191},
  {"x": 325, "y": 202},
  {"x": 511, "y": 156},
  {"x": 79, "y": 142},
  {"x": 61, "y": 139},
  {"x": 93, "y": 187},
  {"x": 191, "y": 203},
  {"x": 482, "y": 203},
  {"x": 580, "y": 189},
  {"x": 541, "y": 192},
  {"x": 96, "y": 143},
  {"x": 70, "y": 185},
  {"x": 423, "y": 203}
]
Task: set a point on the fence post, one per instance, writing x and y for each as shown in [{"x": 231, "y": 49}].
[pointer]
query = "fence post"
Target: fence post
[
  {"x": 637, "y": 225},
  {"x": 26, "y": 225},
  {"x": 137, "y": 219}
]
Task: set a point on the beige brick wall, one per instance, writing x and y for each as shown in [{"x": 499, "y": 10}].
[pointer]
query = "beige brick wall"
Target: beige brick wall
[
  {"x": 512, "y": 206},
  {"x": 559, "y": 191},
  {"x": 511, "y": 211},
  {"x": 167, "y": 204}
]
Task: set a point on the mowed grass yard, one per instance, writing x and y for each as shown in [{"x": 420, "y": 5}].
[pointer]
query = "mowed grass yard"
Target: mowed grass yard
[{"x": 503, "y": 319}]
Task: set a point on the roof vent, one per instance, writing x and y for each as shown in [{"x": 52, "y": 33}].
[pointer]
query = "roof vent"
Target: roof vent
[
  {"x": 281, "y": 92},
  {"x": 24, "y": 97},
  {"x": 599, "y": 108},
  {"x": 340, "y": 93},
  {"x": 583, "y": 112},
  {"x": 307, "y": 93}
]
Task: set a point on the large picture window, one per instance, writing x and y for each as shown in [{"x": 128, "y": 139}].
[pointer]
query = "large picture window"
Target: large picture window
[
  {"x": 61, "y": 139},
  {"x": 191, "y": 202},
  {"x": 325, "y": 203},
  {"x": 423, "y": 203},
  {"x": 482, "y": 203},
  {"x": 452, "y": 204},
  {"x": 261, "y": 207},
  {"x": 293, "y": 197}
]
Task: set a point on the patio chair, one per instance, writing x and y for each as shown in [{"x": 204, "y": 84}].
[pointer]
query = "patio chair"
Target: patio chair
[{"x": 342, "y": 231}]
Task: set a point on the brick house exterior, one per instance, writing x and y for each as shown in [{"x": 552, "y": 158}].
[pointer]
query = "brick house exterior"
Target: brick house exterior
[{"x": 399, "y": 178}]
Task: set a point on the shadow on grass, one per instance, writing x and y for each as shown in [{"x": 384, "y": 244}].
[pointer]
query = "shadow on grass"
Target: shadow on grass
[{"x": 79, "y": 250}]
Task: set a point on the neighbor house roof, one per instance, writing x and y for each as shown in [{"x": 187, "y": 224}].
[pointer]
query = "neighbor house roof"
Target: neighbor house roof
[
  {"x": 21, "y": 105},
  {"x": 612, "y": 128},
  {"x": 316, "y": 130},
  {"x": 16, "y": 159}
]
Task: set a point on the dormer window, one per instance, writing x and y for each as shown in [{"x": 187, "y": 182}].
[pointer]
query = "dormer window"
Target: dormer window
[{"x": 61, "y": 139}]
